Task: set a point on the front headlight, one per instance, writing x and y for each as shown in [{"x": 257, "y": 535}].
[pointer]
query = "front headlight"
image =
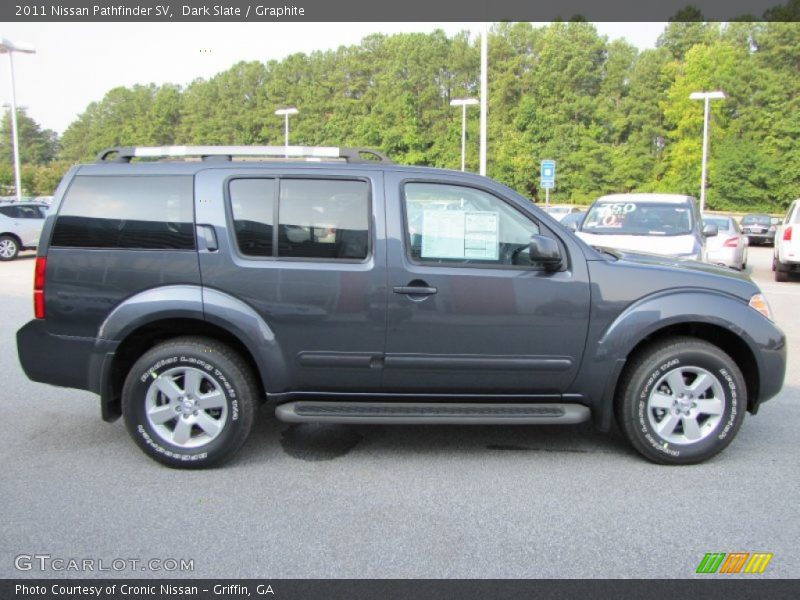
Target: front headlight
[{"x": 759, "y": 303}]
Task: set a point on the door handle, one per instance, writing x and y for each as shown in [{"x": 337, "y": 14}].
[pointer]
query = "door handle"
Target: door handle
[
  {"x": 414, "y": 290},
  {"x": 207, "y": 235}
]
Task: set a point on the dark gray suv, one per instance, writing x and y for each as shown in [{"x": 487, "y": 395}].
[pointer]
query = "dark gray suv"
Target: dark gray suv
[{"x": 186, "y": 292}]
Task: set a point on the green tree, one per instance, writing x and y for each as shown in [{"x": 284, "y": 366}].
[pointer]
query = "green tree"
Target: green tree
[{"x": 36, "y": 145}]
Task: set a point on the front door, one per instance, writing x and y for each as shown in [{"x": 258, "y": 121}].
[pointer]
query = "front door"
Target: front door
[
  {"x": 467, "y": 312},
  {"x": 304, "y": 248}
]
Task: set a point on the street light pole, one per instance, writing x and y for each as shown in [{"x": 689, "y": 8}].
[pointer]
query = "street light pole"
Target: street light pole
[
  {"x": 484, "y": 94},
  {"x": 285, "y": 112},
  {"x": 463, "y": 103},
  {"x": 8, "y": 47},
  {"x": 706, "y": 97}
]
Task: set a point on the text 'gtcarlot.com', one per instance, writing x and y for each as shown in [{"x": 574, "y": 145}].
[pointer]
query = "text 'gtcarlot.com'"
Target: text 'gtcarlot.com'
[{"x": 46, "y": 562}]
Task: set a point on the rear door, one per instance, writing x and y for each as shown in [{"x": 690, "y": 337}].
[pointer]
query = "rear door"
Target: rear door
[
  {"x": 305, "y": 249},
  {"x": 466, "y": 313},
  {"x": 31, "y": 219}
]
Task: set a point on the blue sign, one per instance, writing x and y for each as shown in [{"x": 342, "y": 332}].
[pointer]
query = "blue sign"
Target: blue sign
[{"x": 548, "y": 179}]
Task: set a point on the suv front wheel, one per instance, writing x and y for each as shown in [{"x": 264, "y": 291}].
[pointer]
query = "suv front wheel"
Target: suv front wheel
[
  {"x": 189, "y": 402},
  {"x": 681, "y": 401}
]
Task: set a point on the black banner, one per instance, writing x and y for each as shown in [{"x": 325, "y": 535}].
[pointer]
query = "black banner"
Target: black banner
[
  {"x": 407, "y": 10},
  {"x": 730, "y": 588}
]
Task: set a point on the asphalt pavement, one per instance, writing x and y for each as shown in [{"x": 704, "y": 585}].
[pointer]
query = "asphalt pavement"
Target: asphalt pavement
[{"x": 310, "y": 501}]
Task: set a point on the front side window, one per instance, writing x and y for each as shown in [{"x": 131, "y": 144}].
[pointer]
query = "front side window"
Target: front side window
[
  {"x": 451, "y": 224},
  {"x": 133, "y": 212}
]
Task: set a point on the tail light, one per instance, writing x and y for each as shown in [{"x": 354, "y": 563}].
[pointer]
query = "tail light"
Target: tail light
[
  {"x": 787, "y": 234},
  {"x": 38, "y": 287},
  {"x": 731, "y": 242}
]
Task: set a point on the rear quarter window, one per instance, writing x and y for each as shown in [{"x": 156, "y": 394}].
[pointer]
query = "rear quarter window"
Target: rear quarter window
[{"x": 134, "y": 212}]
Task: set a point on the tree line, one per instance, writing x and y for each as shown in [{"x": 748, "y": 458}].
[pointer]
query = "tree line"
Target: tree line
[{"x": 614, "y": 118}]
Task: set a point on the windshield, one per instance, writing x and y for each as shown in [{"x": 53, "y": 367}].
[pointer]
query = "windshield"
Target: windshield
[
  {"x": 638, "y": 218},
  {"x": 756, "y": 219},
  {"x": 722, "y": 223}
]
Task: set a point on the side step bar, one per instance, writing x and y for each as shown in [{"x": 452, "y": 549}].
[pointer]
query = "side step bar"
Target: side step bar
[{"x": 425, "y": 413}]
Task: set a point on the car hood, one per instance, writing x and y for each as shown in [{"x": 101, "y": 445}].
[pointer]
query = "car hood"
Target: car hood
[
  {"x": 667, "y": 245},
  {"x": 676, "y": 272}
]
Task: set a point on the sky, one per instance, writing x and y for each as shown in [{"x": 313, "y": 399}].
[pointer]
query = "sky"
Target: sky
[{"x": 77, "y": 63}]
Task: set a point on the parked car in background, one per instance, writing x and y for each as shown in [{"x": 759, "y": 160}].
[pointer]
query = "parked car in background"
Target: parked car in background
[
  {"x": 573, "y": 220},
  {"x": 729, "y": 246},
  {"x": 559, "y": 211},
  {"x": 759, "y": 229},
  {"x": 20, "y": 227},
  {"x": 786, "y": 256},
  {"x": 664, "y": 224}
]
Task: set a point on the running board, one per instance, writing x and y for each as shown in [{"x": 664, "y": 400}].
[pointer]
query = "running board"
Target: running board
[{"x": 425, "y": 413}]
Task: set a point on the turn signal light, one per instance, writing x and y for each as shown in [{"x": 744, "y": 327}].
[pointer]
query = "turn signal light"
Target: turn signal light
[{"x": 38, "y": 287}]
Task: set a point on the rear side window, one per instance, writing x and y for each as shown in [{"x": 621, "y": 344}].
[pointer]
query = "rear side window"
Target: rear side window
[
  {"x": 132, "y": 212},
  {"x": 317, "y": 218},
  {"x": 323, "y": 219},
  {"x": 253, "y": 205}
]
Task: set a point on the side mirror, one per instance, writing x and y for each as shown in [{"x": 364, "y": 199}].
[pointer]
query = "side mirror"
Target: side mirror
[
  {"x": 710, "y": 230},
  {"x": 545, "y": 251},
  {"x": 573, "y": 225}
]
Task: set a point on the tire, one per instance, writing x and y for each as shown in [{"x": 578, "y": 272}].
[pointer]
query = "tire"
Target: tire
[
  {"x": 657, "y": 421},
  {"x": 781, "y": 273},
  {"x": 9, "y": 247},
  {"x": 175, "y": 428}
]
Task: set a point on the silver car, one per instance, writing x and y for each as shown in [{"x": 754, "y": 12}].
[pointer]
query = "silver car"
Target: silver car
[
  {"x": 20, "y": 227},
  {"x": 729, "y": 246}
]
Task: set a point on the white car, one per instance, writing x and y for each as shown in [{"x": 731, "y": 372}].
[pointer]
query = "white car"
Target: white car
[
  {"x": 729, "y": 246},
  {"x": 20, "y": 227},
  {"x": 786, "y": 256},
  {"x": 664, "y": 224},
  {"x": 559, "y": 211}
]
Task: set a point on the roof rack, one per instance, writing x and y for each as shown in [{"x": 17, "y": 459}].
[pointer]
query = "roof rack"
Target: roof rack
[{"x": 124, "y": 154}]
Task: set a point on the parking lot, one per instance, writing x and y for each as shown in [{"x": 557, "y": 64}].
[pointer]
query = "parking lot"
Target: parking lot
[{"x": 313, "y": 501}]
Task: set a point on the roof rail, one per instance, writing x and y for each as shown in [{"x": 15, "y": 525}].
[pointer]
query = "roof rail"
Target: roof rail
[{"x": 124, "y": 154}]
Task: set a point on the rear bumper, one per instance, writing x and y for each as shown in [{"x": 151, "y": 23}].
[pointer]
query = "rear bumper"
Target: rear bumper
[
  {"x": 760, "y": 238},
  {"x": 55, "y": 359}
]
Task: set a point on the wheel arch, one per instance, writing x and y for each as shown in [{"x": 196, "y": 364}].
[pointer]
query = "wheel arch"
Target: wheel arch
[
  {"x": 146, "y": 336},
  {"x": 753, "y": 342}
]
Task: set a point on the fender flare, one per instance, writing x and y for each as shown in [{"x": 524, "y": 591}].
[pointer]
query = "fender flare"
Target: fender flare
[
  {"x": 187, "y": 302},
  {"x": 653, "y": 313}
]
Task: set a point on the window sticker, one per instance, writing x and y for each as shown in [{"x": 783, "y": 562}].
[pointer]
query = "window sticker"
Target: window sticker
[{"x": 460, "y": 234}]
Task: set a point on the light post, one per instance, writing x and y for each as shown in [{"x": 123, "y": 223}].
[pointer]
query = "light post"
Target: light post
[
  {"x": 8, "y": 47},
  {"x": 463, "y": 103},
  {"x": 706, "y": 97},
  {"x": 285, "y": 112}
]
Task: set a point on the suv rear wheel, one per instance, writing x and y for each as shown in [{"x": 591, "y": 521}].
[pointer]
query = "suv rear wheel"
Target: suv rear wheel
[
  {"x": 189, "y": 402},
  {"x": 9, "y": 247},
  {"x": 681, "y": 401}
]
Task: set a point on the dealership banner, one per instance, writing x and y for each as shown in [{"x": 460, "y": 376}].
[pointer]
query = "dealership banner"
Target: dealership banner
[
  {"x": 394, "y": 589},
  {"x": 407, "y": 10}
]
